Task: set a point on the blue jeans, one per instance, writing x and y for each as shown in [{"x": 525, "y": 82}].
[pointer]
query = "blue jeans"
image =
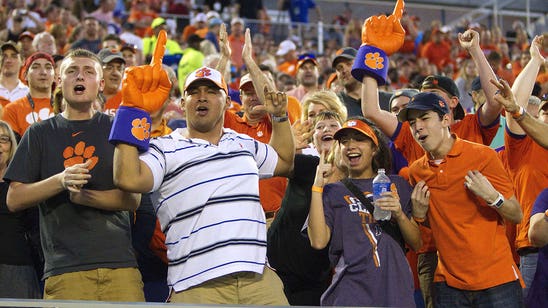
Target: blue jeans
[
  {"x": 528, "y": 267},
  {"x": 504, "y": 295}
]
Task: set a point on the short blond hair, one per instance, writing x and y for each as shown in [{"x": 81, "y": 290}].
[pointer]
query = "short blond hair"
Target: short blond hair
[{"x": 328, "y": 99}]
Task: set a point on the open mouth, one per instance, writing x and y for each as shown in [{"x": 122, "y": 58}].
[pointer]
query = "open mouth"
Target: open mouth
[
  {"x": 327, "y": 138},
  {"x": 422, "y": 138},
  {"x": 202, "y": 110},
  {"x": 79, "y": 89},
  {"x": 353, "y": 158}
]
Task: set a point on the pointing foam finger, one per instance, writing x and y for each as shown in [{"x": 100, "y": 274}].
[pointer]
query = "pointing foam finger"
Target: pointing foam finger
[
  {"x": 398, "y": 9},
  {"x": 160, "y": 49}
]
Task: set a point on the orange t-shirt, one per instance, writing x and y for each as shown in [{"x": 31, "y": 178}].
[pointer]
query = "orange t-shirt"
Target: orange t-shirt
[
  {"x": 237, "y": 46},
  {"x": 437, "y": 54},
  {"x": 4, "y": 101},
  {"x": 526, "y": 163},
  {"x": 20, "y": 115},
  {"x": 473, "y": 251},
  {"x": 272, "y": 190},
  {"x": 112, "y": 104},
  {"x": 468, "y": 128},
  {"x": 288, "y": 67}
]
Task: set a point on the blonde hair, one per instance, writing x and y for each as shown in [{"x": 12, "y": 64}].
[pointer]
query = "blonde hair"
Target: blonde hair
[
  {"x": 326, "y": 98},
  {"x": 13, "y": 140}
]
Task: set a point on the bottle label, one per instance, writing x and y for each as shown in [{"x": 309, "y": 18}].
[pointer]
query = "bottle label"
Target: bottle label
[{"x": 379, "y": 189}]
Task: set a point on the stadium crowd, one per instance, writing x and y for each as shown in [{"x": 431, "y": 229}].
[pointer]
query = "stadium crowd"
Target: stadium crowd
[{"x": 174, "y": 151}]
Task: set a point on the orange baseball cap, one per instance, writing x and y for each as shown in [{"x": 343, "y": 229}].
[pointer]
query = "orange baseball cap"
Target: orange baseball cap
[{"x": 360, "y": 126}]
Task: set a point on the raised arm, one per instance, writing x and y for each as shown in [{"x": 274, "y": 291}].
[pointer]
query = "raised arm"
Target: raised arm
[
  {"x": 144, "y": 91},
  {"x": 534, "y": 128},
  {"x": 318, "y": 231},
  {"x": 282, "y": 137},
  {"x": 525, "y": 81},
  {"x": 490, "y": 111},
  {"x": 260, "y": 82},
  {"x": 385, "y": 121},
  {"x": 226, "y": 52},
  {"x": 381, "y": 36}
]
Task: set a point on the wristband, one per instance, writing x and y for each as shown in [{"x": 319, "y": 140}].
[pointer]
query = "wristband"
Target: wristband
[
  {"x": 279, "y": 119},
  {"x": 317, "y": 189},
  {"x": 132, "y": 126},
  {"x": 498, "y": 202},
  {"x": 371, "y": 61},
  {"x": 518, "y": 115}
]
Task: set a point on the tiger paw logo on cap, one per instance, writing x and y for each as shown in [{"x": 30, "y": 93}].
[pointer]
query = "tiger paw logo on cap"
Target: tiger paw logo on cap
[
  {"x": 351, "y": 123},
  {"x": 442, "y": 104},
  {"x": 203, "y": 72},
  {"x": 435, "y": 82}
]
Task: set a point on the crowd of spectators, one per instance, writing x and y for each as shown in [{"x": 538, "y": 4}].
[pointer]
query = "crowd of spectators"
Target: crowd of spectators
[{"x": 36, "y": 35}]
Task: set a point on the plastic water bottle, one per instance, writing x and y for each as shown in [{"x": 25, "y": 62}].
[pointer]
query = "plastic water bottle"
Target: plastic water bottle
[{"x": 381, "y": 184}]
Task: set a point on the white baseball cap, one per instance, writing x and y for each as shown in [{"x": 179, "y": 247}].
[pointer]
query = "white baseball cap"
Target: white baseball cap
[
  {"x": 207, "y": 73},
  {"x": 285, "y": 47}
]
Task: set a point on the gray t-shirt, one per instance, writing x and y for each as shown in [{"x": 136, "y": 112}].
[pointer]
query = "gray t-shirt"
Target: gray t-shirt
[{"x": 74, "y": 237}]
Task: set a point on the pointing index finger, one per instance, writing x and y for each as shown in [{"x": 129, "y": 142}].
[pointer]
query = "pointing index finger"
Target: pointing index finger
[
  {"x": 398, "y": 9},
  {"x": 160, "y": 49}
]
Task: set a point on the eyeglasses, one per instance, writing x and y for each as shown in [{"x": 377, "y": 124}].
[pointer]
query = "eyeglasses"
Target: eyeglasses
[{"x": 5, "y": 139}]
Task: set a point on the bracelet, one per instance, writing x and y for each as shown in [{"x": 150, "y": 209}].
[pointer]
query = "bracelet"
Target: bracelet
[
  {"x": 518, "y": 115},
  {"x": 279, "y": 119},
  {"x": 419, "y": 220},
  {"x": 317, "y": 189}
]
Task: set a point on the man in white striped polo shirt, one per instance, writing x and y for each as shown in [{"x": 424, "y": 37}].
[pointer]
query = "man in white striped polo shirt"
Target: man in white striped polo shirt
[{"x": 205, "y": 184}]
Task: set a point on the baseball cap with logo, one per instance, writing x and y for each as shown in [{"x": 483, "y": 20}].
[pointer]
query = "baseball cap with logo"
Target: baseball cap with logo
[
  {"x": 447, "y": 85},
  {"x": 285, "y": 47},
  {"x": 357, "y": 125},
  {"x": 424, "y": 101},
  {"x": 107, "y": 55},
  {"x": 344, "y": 53},
  {"x": 308, "y": 57},
  {"x": 207, "y": 73}
]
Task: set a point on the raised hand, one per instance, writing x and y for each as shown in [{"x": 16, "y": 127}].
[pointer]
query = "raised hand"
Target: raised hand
[
  {"x": 505, "y": 96},
  {"x": 247, "y": 51},
  {"x": 275, "y": 103},
  {"x": 469, "y": 39},
  {"x": 536, "y": 47},
  {"x": 224, "y": 45},
  {"x": 385, "y": 32},
  {"x": 147, "y": 86},
  {"x": 302, "y": 133},
  {"x": 323, "y": 171}
]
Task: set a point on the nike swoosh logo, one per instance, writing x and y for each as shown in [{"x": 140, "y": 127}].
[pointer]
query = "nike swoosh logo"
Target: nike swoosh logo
[{"x": 76, "y": 134}]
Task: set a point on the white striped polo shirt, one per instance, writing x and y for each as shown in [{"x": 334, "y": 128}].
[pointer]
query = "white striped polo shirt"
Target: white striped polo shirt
[{"x": 207, "y": 200}]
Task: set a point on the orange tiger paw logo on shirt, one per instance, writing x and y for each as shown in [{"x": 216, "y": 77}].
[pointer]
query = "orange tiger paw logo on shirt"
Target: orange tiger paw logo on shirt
[{"x": 79, "y": 154}]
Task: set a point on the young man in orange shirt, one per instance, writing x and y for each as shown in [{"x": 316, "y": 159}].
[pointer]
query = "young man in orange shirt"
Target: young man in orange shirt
[
  {"x": 524, "y": 158},
  {"x": 464, "y": 194},
  {"x": 38, "y": 73}
]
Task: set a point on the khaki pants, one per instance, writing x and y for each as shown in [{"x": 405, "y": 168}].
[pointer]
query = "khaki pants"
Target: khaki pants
[
  {"x": 242, "y": 288},
  {"x": 102, "y": 284}
]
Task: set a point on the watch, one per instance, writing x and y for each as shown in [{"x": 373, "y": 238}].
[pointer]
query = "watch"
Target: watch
[
  {"x": 498, "y": 202},
  {"x": 519, "y": 115},
  {"x": 279, "y": 119}
]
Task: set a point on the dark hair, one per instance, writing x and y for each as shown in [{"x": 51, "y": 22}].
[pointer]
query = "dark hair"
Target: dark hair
[{"x": 383, "y": 156}]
